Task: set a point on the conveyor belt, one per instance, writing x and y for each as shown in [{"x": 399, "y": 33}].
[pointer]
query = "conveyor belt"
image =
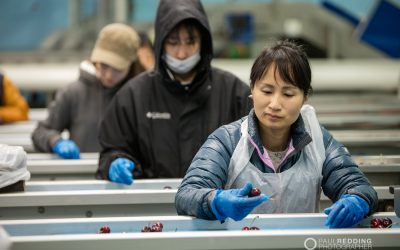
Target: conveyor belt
[
  {"x": 277, "y": 231},
  {"x": 364, "y": 75},
  {"x": 88, "y": 199},
  {"x": 381, "y": 170},
  {"x": 363, "y": 141},
  {"x": 48, "y": 156}
]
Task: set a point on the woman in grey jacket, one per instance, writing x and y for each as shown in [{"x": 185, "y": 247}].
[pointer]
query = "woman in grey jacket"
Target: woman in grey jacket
[
  {"x": 280, "y": 148},
  {"x": 79, "y": 106}
]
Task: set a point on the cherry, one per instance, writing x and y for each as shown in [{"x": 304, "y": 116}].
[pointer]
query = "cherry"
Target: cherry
[
  {"x": 159, "y": 224},
  {"x": 386, "y": 222},
  {"x": 376, "y": 223},
  {"x": 254, "y": 192},
  {"x": 105, "y": 230},
  {"x": 156, "y": 227},
  {"x": 254, "y": 228},
  {"x": 146, "y": 229},
  {"x": 246, "y": 229}
]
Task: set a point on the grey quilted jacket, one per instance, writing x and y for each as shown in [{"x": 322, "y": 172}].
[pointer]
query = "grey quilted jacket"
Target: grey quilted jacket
[{"x": 209, "y": 168}]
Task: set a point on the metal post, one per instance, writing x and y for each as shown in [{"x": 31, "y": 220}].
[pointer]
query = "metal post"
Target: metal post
[
  {"x": 74, "y": 13},
  {"x": 121, "y": 11}
]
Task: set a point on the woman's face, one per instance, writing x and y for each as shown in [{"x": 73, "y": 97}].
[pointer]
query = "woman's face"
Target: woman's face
[
  {"x": 277, "y": 104},
  {"x": 110, "y": 76}
]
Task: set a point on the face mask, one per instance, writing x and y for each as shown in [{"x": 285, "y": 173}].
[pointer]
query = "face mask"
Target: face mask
[{"x": 182, "y": 66}]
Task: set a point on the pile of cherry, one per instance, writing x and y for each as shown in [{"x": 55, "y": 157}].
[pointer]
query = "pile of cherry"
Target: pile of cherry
[
  {"x": 381, "y": 223},
  {"x": 155, "y": 227},
  {"x": 158, "y": 226}
]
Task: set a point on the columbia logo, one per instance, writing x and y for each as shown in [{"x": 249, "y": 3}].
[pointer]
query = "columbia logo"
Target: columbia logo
[{"x": 157, "y": 115}]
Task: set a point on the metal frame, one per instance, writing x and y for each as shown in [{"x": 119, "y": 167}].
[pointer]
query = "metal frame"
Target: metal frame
[
  {"x": 278, "y": 231},
  {"x": 101, "y": 198}
]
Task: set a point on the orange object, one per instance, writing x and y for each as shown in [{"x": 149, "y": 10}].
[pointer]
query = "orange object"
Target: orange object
[{"x": 13, "y": 105}]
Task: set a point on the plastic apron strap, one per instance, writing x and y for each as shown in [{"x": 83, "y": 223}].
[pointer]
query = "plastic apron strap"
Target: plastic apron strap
[{"x": 241, "y": 155}]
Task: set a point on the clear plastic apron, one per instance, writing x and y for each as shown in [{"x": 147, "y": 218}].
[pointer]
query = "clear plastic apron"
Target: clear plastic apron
[{"x": 296, "y": 190}]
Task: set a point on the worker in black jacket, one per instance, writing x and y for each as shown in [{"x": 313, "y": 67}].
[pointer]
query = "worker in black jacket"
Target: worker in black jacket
[{"x": 158, "y": 121}]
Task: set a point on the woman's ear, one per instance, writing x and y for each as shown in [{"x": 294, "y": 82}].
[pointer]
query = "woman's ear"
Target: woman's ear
[{"x": 305, "y": 99}]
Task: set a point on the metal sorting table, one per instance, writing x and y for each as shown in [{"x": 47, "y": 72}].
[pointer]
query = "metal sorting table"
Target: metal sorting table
[
  {"x": 357, "y": 141},
  {"x": 49, "y": 156},
  {"x": 44, "y": 166},
  {"x": 380, "y": 170},
  {"x": 371, "y": 142},
  {"x": 277, "y": 231},
  {"x": 94, "y": 198},
  {"x": 343, "y": 75},
  {"x": 98, "y": 198}
]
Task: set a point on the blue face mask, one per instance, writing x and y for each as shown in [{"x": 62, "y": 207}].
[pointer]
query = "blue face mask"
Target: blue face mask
[{"x": 182, "y": 66}]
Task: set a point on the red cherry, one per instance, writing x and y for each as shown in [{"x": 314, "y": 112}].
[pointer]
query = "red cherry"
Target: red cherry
[
  {"x": 254, "y": 228},
  {"x": 159, "y": 224},
  {"x": 146, "y": 229},
  {"x": 254, "y": 192},
  {"x": 245, "y": 228},
  {"x": 386, "y": 222},
  {"x": 375, "y": 223},
  {"x": 105, "y": 230},
  {"x": 154, "y": 228}
]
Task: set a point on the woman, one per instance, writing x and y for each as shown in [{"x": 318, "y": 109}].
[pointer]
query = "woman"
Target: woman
[
  {"x": 280, "y": 148},
  {"x": 79, "y": 107}
]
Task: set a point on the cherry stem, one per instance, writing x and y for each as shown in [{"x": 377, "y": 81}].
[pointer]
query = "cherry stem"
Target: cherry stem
[{"x": 251, "y": 224}]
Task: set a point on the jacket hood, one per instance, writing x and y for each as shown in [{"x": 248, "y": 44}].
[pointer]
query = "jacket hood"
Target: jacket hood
[{"x": 172, "y": 12}]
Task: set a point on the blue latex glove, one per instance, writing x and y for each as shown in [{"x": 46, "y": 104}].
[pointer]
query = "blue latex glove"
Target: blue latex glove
[
  {"x": 121, "y": 171},
  {"x": 66, "y": 149},
  {"x": 235, "y": 203},
  {"x": 346, "y": 212}
]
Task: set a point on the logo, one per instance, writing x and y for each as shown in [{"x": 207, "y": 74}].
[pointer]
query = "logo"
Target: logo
[
  {"x": 158, "y": 115},
  {"x": 310, "y": 244},
  {"x": 338, "y": 243}
]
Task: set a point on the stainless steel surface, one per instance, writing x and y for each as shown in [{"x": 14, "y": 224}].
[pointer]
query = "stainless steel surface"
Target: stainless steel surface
[
  {"x": 288, "y": 231},
  {"x": 395, "y": 190},
  {"x": 367, "y": 137},
  {"x": 16, "y": 139},
  {"x": 101, "y": 198},
  {"x": 24, "y": 127},
  {"x": 50, "y": 156},
  {"x": 38, "y": 114},
  {"x": 340, "y": 75},
  {"x": 380, "y": 169}
]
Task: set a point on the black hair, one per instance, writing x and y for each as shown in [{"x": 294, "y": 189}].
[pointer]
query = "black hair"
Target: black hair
[
  {"x": 190, "y": 25},
  {"x": 290, "y": 61}
]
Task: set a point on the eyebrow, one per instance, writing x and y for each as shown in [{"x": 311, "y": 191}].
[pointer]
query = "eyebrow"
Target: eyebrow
[{"x": 285, "y": 85}]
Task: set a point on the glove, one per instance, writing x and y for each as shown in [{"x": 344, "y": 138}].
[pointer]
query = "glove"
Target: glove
[
  {"x": 346, "y": 212},
  {"x": 121, "y": 171},
  {"x": 66, "y": 149},
  {"x": 235, "y": 203}
]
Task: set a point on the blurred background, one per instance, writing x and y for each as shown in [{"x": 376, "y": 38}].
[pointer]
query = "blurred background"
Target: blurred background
[{"x": 44, "y": 40}]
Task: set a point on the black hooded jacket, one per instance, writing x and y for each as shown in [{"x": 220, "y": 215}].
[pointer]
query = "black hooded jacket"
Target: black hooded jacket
[{"x": 160, "y": 124}]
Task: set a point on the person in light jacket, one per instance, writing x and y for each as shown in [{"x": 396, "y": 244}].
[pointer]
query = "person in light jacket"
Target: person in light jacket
[{"x": 79, "y": 106}]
